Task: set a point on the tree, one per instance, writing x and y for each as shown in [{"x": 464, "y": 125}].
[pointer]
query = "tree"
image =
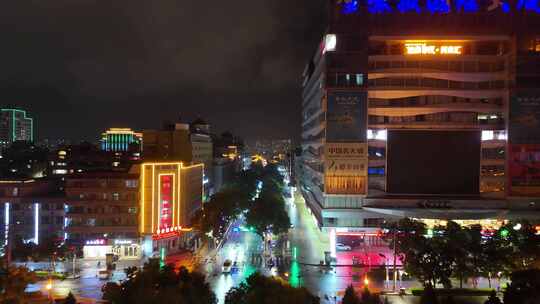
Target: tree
[
  {"x": 155, "y": 284},
  {"x": 418, "y": 253},
  {"x": 493, "y": 299},
  {"x": 525, "y": 287},
  {"x": 259, "y": 289},
  {"x": 369, "y": 298},
  {"x": 268, "y": 213},
  {"x": 14, "y": 283},
  {"x": 494, "y": 257},
  {"x": 350, "y": 296},
  {"x": 70, "y": 299}
]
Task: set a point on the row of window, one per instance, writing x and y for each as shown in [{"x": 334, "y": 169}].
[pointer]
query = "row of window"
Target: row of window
[
  {"x": 115, "y": 196},
  {"x": 113, "y": 222},
  {"x": 436, "y": 83},
  {"x": 450, "y": 117},
  {"x": 344, "y": 80},
  {"x": 441, "y": 65},
  {"x": 102, "y": 210},
  {"x": 433, "y": 100},
  {"x": 129, "y": 183}
]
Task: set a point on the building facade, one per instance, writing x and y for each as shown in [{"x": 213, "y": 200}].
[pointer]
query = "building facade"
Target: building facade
[
  {"x": 426, "y": 111},
  {"x": 32, "y": 210},
  {"x": 170, "y": 194},
  {"x": 121, "y": 140},
  {"x": 102, "y": 214},
  {"x": 15, "y": 125}
]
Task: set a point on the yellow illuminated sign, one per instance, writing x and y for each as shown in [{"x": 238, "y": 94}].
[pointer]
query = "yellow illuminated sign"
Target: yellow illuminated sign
[{"x": 427, "y": 49}]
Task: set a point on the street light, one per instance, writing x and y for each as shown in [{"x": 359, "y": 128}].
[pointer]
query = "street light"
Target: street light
[{"x": 49, "y": 287}]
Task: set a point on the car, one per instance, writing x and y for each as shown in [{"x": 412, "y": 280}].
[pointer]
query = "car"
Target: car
[
  {"x": 104, "y": 274},
  {"x": 227, "y": 265},
  {"x": 343, "y": 247}
]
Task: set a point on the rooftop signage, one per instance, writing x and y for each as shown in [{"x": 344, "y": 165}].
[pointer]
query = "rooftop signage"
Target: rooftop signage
[
  {"x": 430, "y": 49},
  {"x": 435, "y": 6}
]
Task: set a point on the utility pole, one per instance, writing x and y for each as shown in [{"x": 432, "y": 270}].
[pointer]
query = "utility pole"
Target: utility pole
[{"x": 394, "y": 287}]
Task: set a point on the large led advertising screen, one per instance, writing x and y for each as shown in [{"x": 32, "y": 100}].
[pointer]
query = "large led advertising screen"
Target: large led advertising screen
[
  {"x": 524, "y": 125},
  {"x": 433, "y": 162},
  {"x": 524, "y": 167}
]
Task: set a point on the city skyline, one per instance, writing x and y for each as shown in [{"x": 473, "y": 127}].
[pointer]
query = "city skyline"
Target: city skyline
[{"x": 142, "y": 63}]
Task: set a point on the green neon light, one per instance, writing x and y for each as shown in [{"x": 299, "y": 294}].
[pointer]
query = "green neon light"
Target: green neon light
[
  {"x": 294, "y": 275},
  {"x": 31, "y": 129},
  {"x": 13, "y": 123}
]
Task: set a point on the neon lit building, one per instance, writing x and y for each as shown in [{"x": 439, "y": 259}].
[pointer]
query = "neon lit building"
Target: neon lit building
[
  {"x": 120, "y": 139},
  {"x": 170, "y": 194},
  {"x": 429, "y": 111},
  {"x": 15, "y": 125}
]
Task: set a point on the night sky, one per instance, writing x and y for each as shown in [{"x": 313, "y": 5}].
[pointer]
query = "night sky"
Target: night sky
[{"x": 81, "y": 66}]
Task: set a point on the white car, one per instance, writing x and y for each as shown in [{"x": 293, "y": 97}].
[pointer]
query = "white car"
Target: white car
[
  {"x": 227, "y": 265},
  {"x": 343, "y": 247}
]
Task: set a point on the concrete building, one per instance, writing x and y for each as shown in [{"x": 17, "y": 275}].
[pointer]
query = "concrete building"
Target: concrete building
[
  {"x": 15, "y": 125},
  {"x": 424, "y": 112},
  {"x": 102, "y": 214},
  {"x": 190, "y": 144},
  {"x": 32, "y": 209},
  {"x": 87, "y": 157},
  {"x": 170, "y": 194}
]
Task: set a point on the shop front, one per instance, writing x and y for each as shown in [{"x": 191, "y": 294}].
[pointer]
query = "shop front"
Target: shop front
[{"x": 122, "y": 249}]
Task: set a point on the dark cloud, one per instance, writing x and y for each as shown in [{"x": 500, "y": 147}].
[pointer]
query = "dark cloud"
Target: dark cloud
[{"x": 81, "y": 66}]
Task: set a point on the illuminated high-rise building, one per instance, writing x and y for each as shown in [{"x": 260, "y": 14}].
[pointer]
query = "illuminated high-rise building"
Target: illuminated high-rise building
[
  {"x": 120, "y": 139},
  {"x": 15, "y": 125},
  {"x": 422, "y": 109}
]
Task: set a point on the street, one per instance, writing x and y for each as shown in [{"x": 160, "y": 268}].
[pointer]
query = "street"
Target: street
[{"x": 87, "y": 288}]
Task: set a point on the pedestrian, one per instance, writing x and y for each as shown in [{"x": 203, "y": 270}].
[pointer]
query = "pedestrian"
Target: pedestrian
[{"x": 98, "y": 264}]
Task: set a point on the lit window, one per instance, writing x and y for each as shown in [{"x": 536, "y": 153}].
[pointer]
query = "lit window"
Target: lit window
[
  {"x": 487, "y": 135},
  {"x": 330, "y": 43},
  {"x": 359, "y": 79}
]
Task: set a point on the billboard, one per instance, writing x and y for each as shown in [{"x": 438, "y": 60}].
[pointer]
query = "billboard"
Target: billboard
[
  {"x": 524, "y": 124},
  {"x": 425, "y": 162},
  {"x": 346, "y": 117},
  {"x": 524, "y": 170},
  {"x": 165, "y": 200},
  {"x": 345, "y": 168}
]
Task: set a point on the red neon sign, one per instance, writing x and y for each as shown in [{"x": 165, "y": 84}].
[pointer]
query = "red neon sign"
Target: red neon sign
[{"x": 165, "y": 204}]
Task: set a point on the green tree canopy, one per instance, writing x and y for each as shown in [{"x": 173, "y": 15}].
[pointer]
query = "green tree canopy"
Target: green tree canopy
[
  {"x": 259, "y": 289},
  {"x": 155, "y": 284}
]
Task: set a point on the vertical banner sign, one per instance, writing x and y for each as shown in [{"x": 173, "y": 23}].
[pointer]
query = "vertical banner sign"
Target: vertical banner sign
[
  {"x": 524, "y": 137},
  {"x": 345, "y": 155},
  {"x": 165, "y": 204}
]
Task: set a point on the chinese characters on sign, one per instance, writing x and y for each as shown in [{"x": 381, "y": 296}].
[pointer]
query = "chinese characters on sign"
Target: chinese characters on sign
[
  {"x": 345, "y": 168},
  {"x": 426, "y": 49},
  {"x": 165, "y": 203}
]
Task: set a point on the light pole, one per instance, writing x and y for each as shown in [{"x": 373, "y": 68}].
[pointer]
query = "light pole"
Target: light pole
[
  {"x": 394, "y": 286},
  {"x": 49, "y": 287}
]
